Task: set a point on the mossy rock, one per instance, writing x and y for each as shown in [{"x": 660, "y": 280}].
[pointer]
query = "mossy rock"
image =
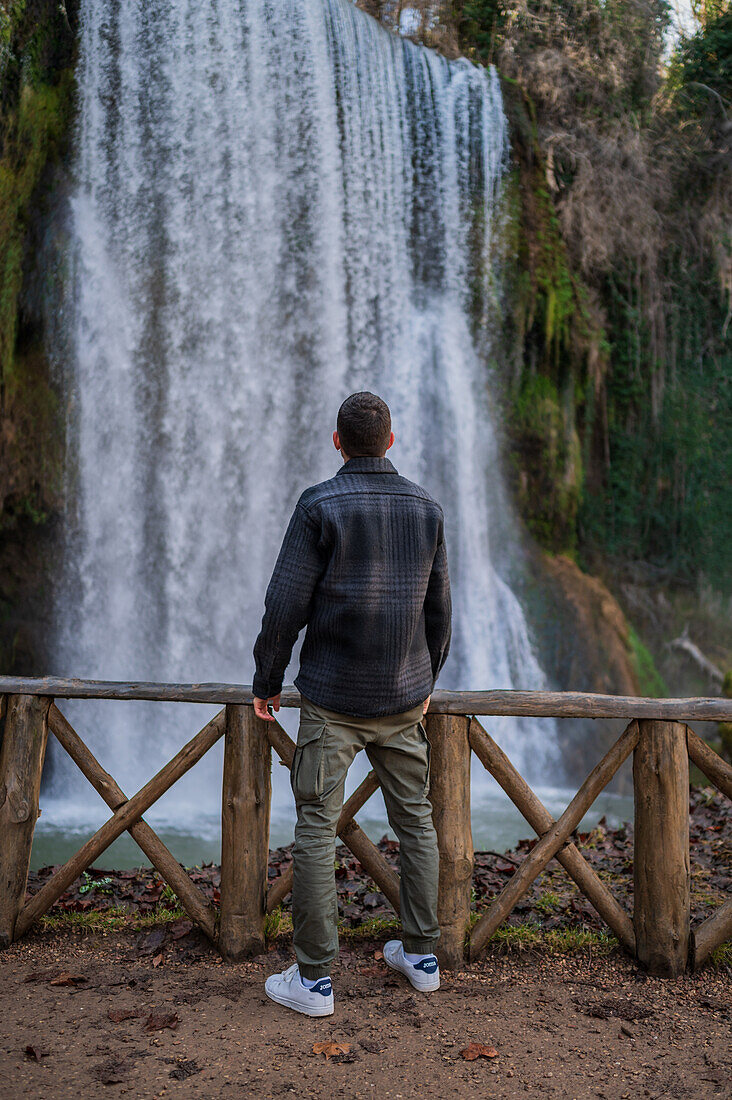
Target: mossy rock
[{"x": 547, "y": 463}]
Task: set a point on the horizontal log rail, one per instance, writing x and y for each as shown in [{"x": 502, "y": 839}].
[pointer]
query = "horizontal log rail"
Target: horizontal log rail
[
  {"x": 658, "y": 934},
  {"x": 528, "y": 704}
]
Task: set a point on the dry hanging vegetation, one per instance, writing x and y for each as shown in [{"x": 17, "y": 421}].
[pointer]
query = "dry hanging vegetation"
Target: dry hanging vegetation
[{"x": 622, "y": 296}]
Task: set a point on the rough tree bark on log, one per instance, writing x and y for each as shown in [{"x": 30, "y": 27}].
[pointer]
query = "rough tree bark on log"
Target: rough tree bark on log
[
  {"x": 21, "y": 763},
  {"x": 712, "y": 932},
  {"x": 450, "y": 798},
  {"x": 661, "y": 874},
  {"x": 247, "y": 791}
]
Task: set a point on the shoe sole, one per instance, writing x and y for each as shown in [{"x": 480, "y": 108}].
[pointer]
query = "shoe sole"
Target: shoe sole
[
  {"x": 288, "y": 1002},
  {"x": 420, "y": 988}
]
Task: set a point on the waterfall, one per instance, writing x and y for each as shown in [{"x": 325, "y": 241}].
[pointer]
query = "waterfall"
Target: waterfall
[{"x": 276, "y": 203}]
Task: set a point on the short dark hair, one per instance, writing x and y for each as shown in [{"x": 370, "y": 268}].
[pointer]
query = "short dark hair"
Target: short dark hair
[{"x": 364, "y": 425}]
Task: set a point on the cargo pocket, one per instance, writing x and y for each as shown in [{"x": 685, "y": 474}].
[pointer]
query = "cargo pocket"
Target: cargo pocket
[
  {"x": 428, "y": 747},
  {"x": 308, "y": 766}
]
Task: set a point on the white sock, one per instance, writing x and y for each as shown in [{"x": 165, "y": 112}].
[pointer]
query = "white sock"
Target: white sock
[
  {"x": 310, "y": 982},
  {"x": 414, "y": 959}
]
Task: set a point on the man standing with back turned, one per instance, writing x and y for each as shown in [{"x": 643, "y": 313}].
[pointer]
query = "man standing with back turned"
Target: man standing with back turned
[{"x": 363, "y": 566}]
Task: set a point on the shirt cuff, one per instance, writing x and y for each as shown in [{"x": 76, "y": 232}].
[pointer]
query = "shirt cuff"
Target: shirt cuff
[{"x": 265, "y": 689}]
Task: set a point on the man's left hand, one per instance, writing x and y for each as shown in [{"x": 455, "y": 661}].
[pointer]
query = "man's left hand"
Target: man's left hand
[{"x": 425, "y": 705}]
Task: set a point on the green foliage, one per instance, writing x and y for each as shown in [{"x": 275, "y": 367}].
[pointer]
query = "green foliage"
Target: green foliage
[
  {"x": 98, "y": 885},
  {"x": 703, "y": 63},
  {"x": 37, "y": 48},
  {"x": 480, "y": 23},
  {"x": 650, "y": 682},
  {"x": 721, "y": 958},
  {"x": 273, "y": 924},
  {"x": 510, "y": 938},
  {"x": 547, "y": 462},
  {"x": 667, "y": 492},
  {"x": 548, "y": 902},
  {"x": 622, "y": 285}
]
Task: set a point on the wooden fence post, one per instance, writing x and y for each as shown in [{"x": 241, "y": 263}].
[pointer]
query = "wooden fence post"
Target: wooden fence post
[
  {"x": 245, "y": 807},
  {"x": 21, "y": 763},
  {"x": 450, "y": 798},
  {"x": 661, "y": 856}
]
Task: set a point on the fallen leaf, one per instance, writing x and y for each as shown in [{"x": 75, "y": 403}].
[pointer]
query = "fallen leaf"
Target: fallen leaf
[
  {"x": 158, "y": 959},
  {"x": 117, "y": 1015},
  {"x": 181, "y": 928},
  {"x": 373, "y": 1046},
  {"x": 112, "y": 1073},
  {"x": 152, "y": 943},
  {"x": 329, "y": 1049},
  {"x": 478, "y": 1050},
  {"x": 67, "y": 978},
  {"x": 40, "y": 975},
  {"x": 33, "y": 1053},
  {"x": 184, "y": 1069},
  {"x": 378, "y": 955},
  {"x": 156, "y": 1021}
]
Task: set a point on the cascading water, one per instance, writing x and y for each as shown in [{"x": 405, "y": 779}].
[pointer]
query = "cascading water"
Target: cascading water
[{"x": 277, "y": 203}]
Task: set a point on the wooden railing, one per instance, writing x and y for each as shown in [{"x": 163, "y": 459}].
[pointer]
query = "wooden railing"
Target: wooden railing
[{"x": 659, "y": 935}]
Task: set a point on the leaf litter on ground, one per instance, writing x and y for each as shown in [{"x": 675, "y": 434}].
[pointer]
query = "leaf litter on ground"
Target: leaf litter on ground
[
  {"x": 608, "y": 850},
  {"x": 331, "y": 1049},
  {"x": 478, "y": 1050}
]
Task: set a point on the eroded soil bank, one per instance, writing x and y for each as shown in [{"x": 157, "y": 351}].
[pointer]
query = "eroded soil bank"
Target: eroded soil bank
[{"x": 94, "y": 1015}]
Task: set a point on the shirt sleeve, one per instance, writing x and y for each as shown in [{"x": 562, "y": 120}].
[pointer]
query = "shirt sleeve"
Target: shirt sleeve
[
  {"x": 438, "y": 610},
  {"x": 298, "y": 569}
]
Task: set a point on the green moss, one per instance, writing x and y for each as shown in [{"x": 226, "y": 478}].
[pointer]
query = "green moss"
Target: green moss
[
  {"x": 518, "y": 938},
  {"x": 650, "y": 682},
  {"x": 109, "y": 920},
  {"x": 721, "y": 958},
  {"x": 547, "y": 462},
  {"x": 32, "y": 136},
  {"x": 548, "y": 902},
  {"x": 37, "y": 55}
]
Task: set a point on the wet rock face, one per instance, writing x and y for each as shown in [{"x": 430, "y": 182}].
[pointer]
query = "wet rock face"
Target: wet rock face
[
  {"x": 591, "y": 637},
  {"x": 428, "y": 22},
  {"x": 584, "y": 641}
]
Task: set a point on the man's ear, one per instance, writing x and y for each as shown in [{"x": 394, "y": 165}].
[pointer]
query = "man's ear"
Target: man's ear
[
  {"x": 391, "y": 440},
  {"x": 336, "y": 441}
]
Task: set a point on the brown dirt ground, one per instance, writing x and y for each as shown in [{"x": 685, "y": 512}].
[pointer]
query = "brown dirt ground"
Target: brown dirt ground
[{"x": 578, "y": 1027}]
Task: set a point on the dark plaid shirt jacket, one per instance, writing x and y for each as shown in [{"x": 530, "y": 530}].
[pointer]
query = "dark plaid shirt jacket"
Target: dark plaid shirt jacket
[{"x": 363, "y": 565}]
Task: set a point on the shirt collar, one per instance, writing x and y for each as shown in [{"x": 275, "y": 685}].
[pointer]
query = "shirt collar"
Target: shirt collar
[{"x": 367, "y": 464}]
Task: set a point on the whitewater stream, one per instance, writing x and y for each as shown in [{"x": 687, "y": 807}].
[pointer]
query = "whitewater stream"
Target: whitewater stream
[{"x": 275, "y": 203}]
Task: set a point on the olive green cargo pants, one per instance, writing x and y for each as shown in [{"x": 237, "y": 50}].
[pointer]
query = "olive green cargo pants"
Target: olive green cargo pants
[{"x": 398, "y": 750}]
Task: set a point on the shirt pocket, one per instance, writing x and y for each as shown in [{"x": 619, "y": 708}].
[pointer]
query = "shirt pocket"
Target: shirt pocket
[{"x": 308, "y": 766}]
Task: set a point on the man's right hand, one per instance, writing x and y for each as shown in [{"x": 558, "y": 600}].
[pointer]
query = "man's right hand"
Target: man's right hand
[
  {"x": 260, "y": 707},
  {"x": 425, "y": 705}
]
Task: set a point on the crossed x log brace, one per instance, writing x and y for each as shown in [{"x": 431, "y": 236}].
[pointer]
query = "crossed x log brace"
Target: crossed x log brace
[{"x": 128, "y": 813}]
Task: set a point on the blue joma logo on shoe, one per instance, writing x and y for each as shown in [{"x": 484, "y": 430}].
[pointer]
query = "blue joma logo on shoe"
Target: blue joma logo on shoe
[
  {"x": 429, "y": 966},
  {"x": 323, "y": 987}
]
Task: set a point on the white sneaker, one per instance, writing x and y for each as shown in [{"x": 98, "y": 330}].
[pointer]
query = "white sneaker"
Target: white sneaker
[
  {"x": 424, "y": 975},
  {"x": 287, "y": 989}
]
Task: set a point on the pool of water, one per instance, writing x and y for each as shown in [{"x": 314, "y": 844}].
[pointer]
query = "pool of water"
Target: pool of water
[{"x": 497, "y": 825}]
